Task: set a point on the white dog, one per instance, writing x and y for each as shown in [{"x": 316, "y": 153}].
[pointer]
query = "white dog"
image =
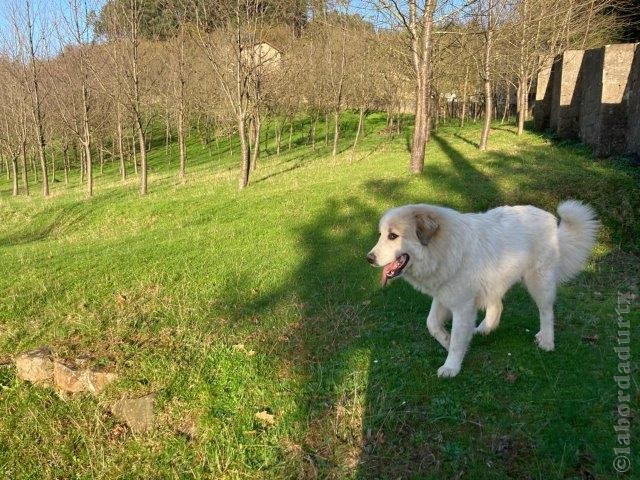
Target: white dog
[{"x": 468, "y": 262}]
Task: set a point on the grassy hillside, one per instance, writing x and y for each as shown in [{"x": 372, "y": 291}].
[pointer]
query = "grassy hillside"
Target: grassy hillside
[{"x": 161, "y": 288}]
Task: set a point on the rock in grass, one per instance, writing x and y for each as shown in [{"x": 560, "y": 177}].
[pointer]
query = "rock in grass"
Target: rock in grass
[
  {"x": 69, "y": 379},
  {"x": 35, "y": 366},
  {"x": 137, "y": 413},
  {"x": 265, "y": 418},
  {"x": 97, "y": 381}
]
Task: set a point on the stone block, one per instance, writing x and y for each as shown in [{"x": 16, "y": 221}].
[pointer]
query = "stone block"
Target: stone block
[{"x": 35, "y": 366}]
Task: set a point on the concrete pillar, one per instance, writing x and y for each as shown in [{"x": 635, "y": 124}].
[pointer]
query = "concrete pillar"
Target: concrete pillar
[
  {"x": 592, "y": 65},
  {"x": 632, "y": 98},
  {"x": 544, "y": 86},
  {"x": 604, "y": 105},
  {"x": 565, "y": 108},
  {"x": 613, "y": 115}
]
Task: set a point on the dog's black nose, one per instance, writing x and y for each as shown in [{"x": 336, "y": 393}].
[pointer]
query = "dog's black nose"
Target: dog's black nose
[{"x": 371, "y": 258}]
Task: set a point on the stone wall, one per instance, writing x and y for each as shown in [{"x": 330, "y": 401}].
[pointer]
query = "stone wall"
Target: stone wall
[
  {"x": 632, "y": 96},
  {"x": 594, "y": 96}
]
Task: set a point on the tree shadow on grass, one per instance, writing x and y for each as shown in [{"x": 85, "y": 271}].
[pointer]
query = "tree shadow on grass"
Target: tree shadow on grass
[
  {"x": 370, "y": 404},
  {"x": 477, "y": 190},
  {"x": 466, "y": 140},
  {"x": 348, "y": 329},
  {"x": 45, "y": 224}
]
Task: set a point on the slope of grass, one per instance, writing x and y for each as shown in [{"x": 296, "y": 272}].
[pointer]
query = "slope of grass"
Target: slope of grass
[{"x": 161, "y": 288}]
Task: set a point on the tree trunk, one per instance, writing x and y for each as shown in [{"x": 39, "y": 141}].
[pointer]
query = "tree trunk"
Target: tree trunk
[
  {"x": 360, "y": 123},
  {"x": 251, "y": 134},
  {"x": 278, "y": 127},
  {"x": 82, "y": 165},
  {"x": 484, "y": 138},
  {"x": 486, "y": 127},
  {"x": 65, "y": 163},
  {"x": 134, "y": 150},
  {"x": 420, "y": 129},
  {"x": 167, "y": 135},
  {"x": 526, "y": 99},
  {"x": 182, "y": 107},
  {"x": 312, "y": 132},
  {"x": 435, "y": 106},
  {"x": 181, "y": 145},
  {"x": 53, "y": 167},
  {"x": 37, "y": 104},
  {"x": 507, "y": 103},
  {"x": 25, "y": 169},
  {"x": 522, "y": 88},
  {"x": 101, "y": 155},
  {"x": 14, "y": 175},
  {"x": 336, "y": 132},
  {"x": 123, "y": 169},
  {"x": 245, "y": 151},
  {"x": 326, "y": 129},
  {"x": 142, "y": 143},
  {"x": 88, "y": 168},
  {"x": 290, "y": 133},
  {"x": 256, "y": 141},
  {"x": 422, "y": 67},
  {"x": 33, "y": 167}
]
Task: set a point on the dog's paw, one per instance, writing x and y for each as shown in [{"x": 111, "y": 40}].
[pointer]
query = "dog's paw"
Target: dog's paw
[
  {"x": 446, "y": 371},
  {"x": 482, "y": 329},
  {"x": 544, "y": 343}
]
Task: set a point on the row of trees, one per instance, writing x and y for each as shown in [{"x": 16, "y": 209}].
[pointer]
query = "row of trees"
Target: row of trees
[{"x": 95, "y": 80}]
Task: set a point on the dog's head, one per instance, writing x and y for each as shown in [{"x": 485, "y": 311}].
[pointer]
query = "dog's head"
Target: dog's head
[{"x": 405, "y": 233}]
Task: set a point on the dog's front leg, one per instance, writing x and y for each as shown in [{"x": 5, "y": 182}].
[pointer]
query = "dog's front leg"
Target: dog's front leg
[
  {"x": 438, "y": 315},
  {"x": 462, "y": 326}
]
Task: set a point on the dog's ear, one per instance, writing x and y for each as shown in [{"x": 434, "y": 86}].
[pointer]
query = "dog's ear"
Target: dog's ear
[{"x": 426, "y": 227}]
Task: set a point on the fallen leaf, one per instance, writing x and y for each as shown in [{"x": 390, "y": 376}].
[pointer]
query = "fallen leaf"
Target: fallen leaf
[
  {"x": 511, "y": 377},
  {"x": 117, "y": 433},
  {"x": 240, "y": 347},
  {"x": 590, "y": 338},
  {"x": 265, "y": 418}
]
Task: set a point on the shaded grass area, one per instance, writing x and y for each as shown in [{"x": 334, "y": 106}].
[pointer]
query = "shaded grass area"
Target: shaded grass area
[{"x": 347, "y": 369}]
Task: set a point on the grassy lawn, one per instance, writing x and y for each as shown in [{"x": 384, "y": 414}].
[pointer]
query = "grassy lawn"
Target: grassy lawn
[{"x": 161, "y": 288}]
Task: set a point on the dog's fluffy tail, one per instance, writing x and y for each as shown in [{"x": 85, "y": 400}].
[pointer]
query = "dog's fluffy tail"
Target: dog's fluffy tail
[{"x": 576, "y": 235}]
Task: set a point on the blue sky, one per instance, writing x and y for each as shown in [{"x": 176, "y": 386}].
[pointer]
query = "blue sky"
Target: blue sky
[{"x": 44, "y": 13}]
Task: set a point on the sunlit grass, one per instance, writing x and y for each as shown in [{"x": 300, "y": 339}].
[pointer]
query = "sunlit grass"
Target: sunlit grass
[{"x": 348, "y": 370}]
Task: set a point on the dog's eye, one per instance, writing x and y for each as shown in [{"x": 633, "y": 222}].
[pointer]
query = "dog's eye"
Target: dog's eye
[{"x": 392, "y": 236}]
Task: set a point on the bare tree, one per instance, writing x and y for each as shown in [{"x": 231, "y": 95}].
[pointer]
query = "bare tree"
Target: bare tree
[
  {"x": 13, "y": 130},
  {"x": 417, "y": 20},
  {"x": 30, "y": 43},
  {"x": 75, "y": 28},
  {"x": 230, "y": 52},
  {"x": 133, "y": 59},
  {"x": 486, "y": 72}
]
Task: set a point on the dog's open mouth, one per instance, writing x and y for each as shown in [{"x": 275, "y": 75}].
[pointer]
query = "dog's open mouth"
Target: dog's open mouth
[{"x": 393, "y": 269}]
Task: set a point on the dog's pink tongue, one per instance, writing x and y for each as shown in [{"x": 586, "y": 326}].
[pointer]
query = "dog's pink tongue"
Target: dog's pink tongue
[{"x": 385, "y": 271}]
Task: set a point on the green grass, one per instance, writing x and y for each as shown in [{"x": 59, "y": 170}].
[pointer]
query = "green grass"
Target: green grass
[{"x": 348, "y": 369}]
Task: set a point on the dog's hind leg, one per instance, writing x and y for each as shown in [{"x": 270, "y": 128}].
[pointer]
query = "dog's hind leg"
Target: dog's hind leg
[
  {"x": 491, "y": 318},
  {"x": 464, "y": 319},
  {"x": 542, "y": 287},
  {"x": 438, "y": 315}
]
